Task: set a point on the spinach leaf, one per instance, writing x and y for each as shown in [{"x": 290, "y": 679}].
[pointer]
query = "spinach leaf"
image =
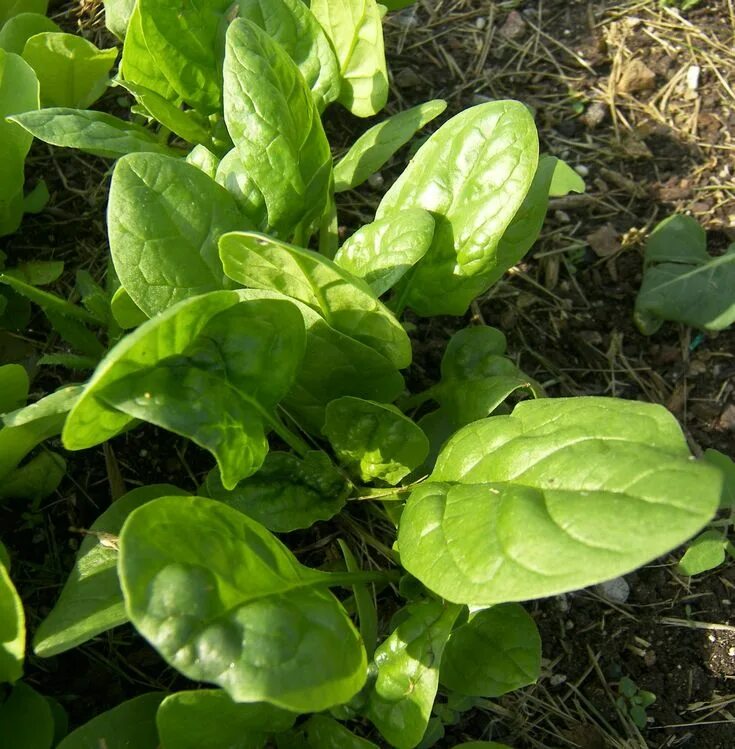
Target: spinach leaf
[
  {"x": 117, "y": 16},
  {"x": 496, "y": 651},
  {"x": 130, "y": 724},
  {"x": 326, "y": 733},
  {"x": 165, "y": 217},
  {"x": 71, "y": 71},
  {"x": 408, "y": 673},
  {"x": 222, "y": 391},
  {"x": 12, "y": 625},
  {"x": 382, "y": 252},
  {"x": 294, "y": 27},
  {"x": 563, "y": 493},
  {"x": 91, "y": 601},
  {"x": 234, "y": 177},
  {"x": 209, "y": 719},
  {"x": 202, "y": 158},
  {"x": 275, "y": 126},
  {"x": 18, "y": 93},
  {"x": 98, "y": 133},
  {"x": 224, "y": 601},
  {"x": 376, "y": 146},
  {"x": 13, "y": 387},
  {"x": 347, "y": 303},
  {"x": 374, "y": 439},
  {"x": 19, "y": 29},
  {"x": 356, "y": 31},
  {"x": 11, "y": 8},
  {"x": 287, "y": 493},
  {"x": 473, "y": 175},
  {"x": 26, "y": 720}
]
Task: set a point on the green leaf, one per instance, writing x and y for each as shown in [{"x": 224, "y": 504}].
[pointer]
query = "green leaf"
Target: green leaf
[
  {"x": 56, "y": 404},
  {"x": 223, "y": 601},
  {"x": 125, "y": 311},
  {"x": 18, "y": 93},
  {"x": 496, "y": 651},
  {"x": 130, "y": 724},
  {"x": 356, "y": 31},
  {"x": 223, "y": 390},
  {"x": 408, "y": 673},
  {"x": 13, "y": 387},
  {"x": 165, "y": 217},
  {"x": 169, "y": 333},
  {"x": 26, "y": 720},
  {"x": 51, "y": 304},
  {"x": 72, "y": 72},
  {"x": 19, "y": 29},
  {"x": 726, "y": 465},
  {"x": 347, "y": 303},
  {"x": 209, "y": 719},
  {"x": 562, "y": 494},
  {"x": 36, "y": 479},
  {"x": 185, "y": 41},
  {"x": 397, "y": 4},
  {"x": 473, "y": 199},
  {"x": 91, "y": 601},
  {"x": 294, "y": 27},
  {"x": 37, "y": 272},
  {"x": 12, "y": 627},
  {"x": 233, "y": 176},
  {"x": 11, "y": 8},
  {"x": 202, "y": 158},
  {"x": 682, "y": 283},
  {"x": 374, "y": 439},
  {"x": 287, "y": 493},
  {"x": 275, "y": 126},
  {"x": 97, "y": 133},
  {"x": 374, "y": 148},
  {"x": 326, "y": 733},
  {"x": 37, "y": 199},
  {"x": 705, "y": 552},
  {"x": 382, "y": 252},
  {"x": 117, "y": 16},
  {"x": 564, "y": 179}
]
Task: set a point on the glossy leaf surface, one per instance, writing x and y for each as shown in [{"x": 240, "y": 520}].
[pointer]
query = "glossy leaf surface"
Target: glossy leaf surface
[
  {"x": 562, "y": 493},
  {"x": 91, "y": 600},
  {"x": 19, "y": 29},
  {"x": 12, "y": 625},
  {"x": 374, "y": 439},
  {"x": 347, "y": 303},
  {"x": 323, "y": 732},
  {"x": 705, "y": 552},
  {"x": 472, "y": 174},
  {"x": 496, "y": 651},
  {"x": 225, "y": 602}
]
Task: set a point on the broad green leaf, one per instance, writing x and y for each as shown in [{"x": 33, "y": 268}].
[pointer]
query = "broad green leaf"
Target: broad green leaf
[
  {"x": 165, "y": 217},
  {"x": 705, "y": 552},
  {"x": 209, "y": 719},
  {"x": 125, "y": 311},
  {"x": 138, "y": 65},
  {"x": 374, "y": 148},
  {"x": 13, "y": 387},
  {"x": 130, "y": 724},
  {"x": 37, "y": 272},
  {"x": 11, "y": 8},
  {"x": 36, "y": 479},
  {"x": 223, "y": 601},
  {"x": 681, "y": 282},
  {"x": 186, "y": 124},
  {"x": 60, "y": 718},
  {"x": 356, "y": 30},
  {"x": 726, "y": 465},
  {"x": 97, "y": 133},
  {"x": 53, "y": 405},
  {"x": 202, "y": 158},
  {"x": 275, "y": 126},
  {"x": 91, "y": 601},
  {"x": 408, "y": 673},
  {"x": 169, "y": 333},
  {"x": 564, "y": 179},
  {"x": 37, "y": 199},
  {"x": 185, "y": 42},
  {"x": 18, "y": 93},
  {"x": 117, "y": 16},
  {"x": 72, "y": 72},
  {"x": 26, "y": 720},
  {"x": 347, "y": 303},
  {"x": 472, "y": 175},
  {"x": 496, "y": 651},
  {"x": 294, "y": 27},
  {"x": 374, "y": 439},
  {"x": 323, "y": 732},
  {"x": 287, "y": 493},
  {"x": 12, "y": 627},
  {"x": 382, "y": 252},
  {"x": 233, "y": 176},
  {"x": 563, "y": 493},
  {"x": 222, "y": 391},
  {"x": 51, "y": 304},
  {"x": 19, "y": 29}
]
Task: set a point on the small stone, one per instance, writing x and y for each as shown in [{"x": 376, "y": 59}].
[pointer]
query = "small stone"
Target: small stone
[
  {"x": 514, "y": 26},
  {"x": 595, "y": 114},
  {"x": 376, "y": 181},
  {"x": 582, "y": 170},
  {"x": 407, "y": 78},
  {"x": 727, "y": 418},
  {"x": 731, "y": 652},
  {"x": 480, "y": 23},
  {"x": 604, "y": 241},
  {"x": 616, "y": 590},
  {"x": 562, "y": 603},
  {"x": 562, "y": 217},
  {"x": 636, "y": 76},
  {"x": 693, "y": 77},
  {"x": 557, "y": 680}
]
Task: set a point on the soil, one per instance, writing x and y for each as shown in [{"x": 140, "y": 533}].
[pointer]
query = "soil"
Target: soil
[{"x": 608, "y": 83}]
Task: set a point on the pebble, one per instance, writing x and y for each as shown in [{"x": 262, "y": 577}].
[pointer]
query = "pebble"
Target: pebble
[
  {"x": 616, "y": 591},
  {"x": 480, "y": 23},
  {"x": 582, "y": 170},
  {"x": 557, "y": 680},
  {"x": 376, "y": 180}
]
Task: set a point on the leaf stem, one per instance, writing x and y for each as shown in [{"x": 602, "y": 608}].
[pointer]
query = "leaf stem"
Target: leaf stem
[{"x": 296, "y": 443}]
